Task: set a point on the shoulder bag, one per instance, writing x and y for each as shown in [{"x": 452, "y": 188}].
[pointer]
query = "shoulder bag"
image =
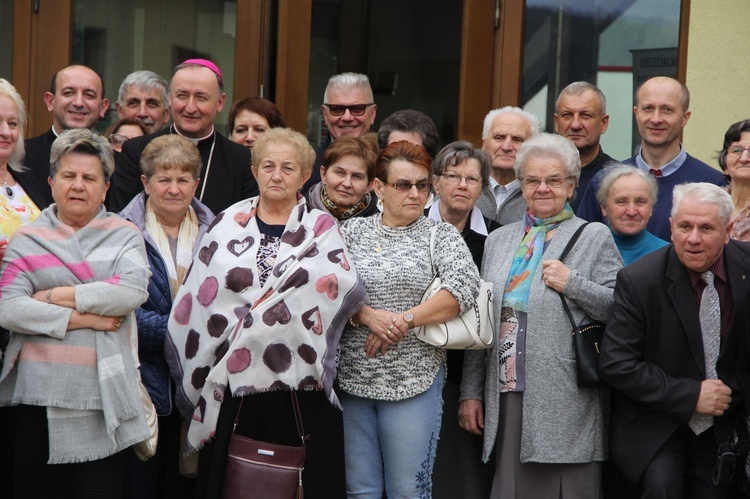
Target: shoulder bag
[
  {"x": 472, "y": 330},
  {"x": 264, "y": 470},
  {"x": 586, "y": 338}
]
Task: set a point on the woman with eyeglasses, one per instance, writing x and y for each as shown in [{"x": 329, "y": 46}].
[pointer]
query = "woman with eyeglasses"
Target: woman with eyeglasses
[
  {"x": 123, "y": 130},
  {"x": 391, "y": 382},
  {"x": 460, "y": 172},
  {"x": 549, "y": 436},
  {"x": 734, "y": 160},
  {"x": 346, "y": 175}
]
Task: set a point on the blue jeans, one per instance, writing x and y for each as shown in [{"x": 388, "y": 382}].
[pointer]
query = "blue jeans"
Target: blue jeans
[{"x": 392, "y": 444}]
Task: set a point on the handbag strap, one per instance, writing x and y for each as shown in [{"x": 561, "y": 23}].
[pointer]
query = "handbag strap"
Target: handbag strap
[
  {"x": 564, "y": 253},
  {"x": 297, "y": 417},
  {"x": 433, "y": 231}
]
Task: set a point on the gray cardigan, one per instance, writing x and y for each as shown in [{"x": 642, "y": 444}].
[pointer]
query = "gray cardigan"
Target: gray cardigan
[
  {"x": 511, "y": 211},
  {"x": 561, "y": 423}
]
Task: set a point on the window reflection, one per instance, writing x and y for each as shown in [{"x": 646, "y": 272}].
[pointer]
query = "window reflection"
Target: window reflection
[
  {"x": 117, "y": 38},
  {"x": 613, "y": 44},
  {"x": 409, "y": 50}
]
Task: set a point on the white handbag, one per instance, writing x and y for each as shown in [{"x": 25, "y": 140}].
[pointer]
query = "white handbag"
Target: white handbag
[
  {"x": 472, "y": 330},
  {"x": 146, "y": 449}
]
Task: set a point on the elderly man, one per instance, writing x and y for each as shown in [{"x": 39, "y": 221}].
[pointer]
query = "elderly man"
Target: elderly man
[
  {"x": 505, "y": 129},
  {"x": 76, "y": 100},
  {"x": 661, "y": 112},
  {"x": 669, "y": 349},
  {"x": 582, "y": 118},
  {"x": 348, "y": 109},
  {"x": 411, "y": 126},
  {"x": 144, "y": 95},
  {"x": 196, "y": 96}
]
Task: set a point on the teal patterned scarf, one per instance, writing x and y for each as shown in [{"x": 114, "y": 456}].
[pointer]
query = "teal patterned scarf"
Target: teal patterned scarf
[{"x": 527, "y": 257}]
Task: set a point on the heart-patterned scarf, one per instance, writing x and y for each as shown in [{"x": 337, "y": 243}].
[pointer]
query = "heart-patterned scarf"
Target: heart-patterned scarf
[{"x": 225, "y": 328}]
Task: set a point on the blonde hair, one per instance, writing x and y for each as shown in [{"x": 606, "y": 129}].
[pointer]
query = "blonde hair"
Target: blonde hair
[{"x": 16, "y": 158}]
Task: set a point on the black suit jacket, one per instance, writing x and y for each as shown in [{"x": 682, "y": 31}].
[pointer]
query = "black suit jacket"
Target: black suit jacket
[
  {"x": 652, "y": 354},
  {"x": 229, "y": 179},
  {"x": 37, "y": 160}
]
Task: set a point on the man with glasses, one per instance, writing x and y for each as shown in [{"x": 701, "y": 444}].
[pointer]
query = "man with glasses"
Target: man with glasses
[
  {"x": 196, "y": 95},
  {"x": 348, "y": 109},
  {"x": 76, "y": 100},
  {"x": 144, "y": 96},
  {"x": 662, "y": 110},
  {"x": 505, "y": 129}
]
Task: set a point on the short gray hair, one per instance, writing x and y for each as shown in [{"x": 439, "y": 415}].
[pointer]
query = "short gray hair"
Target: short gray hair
[
  {"x": 615, "y": 171},
  {"x": 82, "y": 141},
  {"x": 577, "y": 88},
  {"x": 16, "y": 158},
  {"x": 456, "y": 153},
  {"x": 145, "y": 80},
  {"x": 348, "y": 81},
  {"x": 533, "y": 120},
  {"x": 549, "y": 145},
  {"x": 705, "y": 193}
]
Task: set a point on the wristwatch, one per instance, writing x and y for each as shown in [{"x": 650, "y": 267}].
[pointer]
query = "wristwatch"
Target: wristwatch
[{"x": 409, "y": 318}]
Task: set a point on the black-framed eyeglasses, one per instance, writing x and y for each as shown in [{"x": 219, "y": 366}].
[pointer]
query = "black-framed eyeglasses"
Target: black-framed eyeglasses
[
  {"x": 354, "y": 109},
  {"x": 552, "y": 182},
  {"x": 454, "y": 178},
  {"x": 406, "y": 186},
  {"x": 737, "y": 150}
]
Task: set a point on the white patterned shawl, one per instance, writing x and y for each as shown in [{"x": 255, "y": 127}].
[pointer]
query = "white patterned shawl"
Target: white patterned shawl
[
  {"x": 85, "y": 378},
  {"x": 227, "y": 329}
]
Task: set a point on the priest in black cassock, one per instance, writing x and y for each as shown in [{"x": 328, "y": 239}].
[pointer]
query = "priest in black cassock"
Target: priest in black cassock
[{"x": 196, "y": 96}]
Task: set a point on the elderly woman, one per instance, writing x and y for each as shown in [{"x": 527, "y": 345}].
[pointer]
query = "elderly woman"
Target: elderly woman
[
  {"x": 21, "y": 200},
  {"x": 391, "y": 381},
  {"x": 346, "y": 175},
  {"x": 460, "y": 172},
  {"x": 734, "y": 160},
  {"x": 252, "y": 116},
  {"x": 70, "y": 284},
  {"x": 260, "y": 315},
  {"x": 627, "y": 196},
  {"x": 123, "y": 130},
  {"x": 172, "y": 222},
  {"x": 549, "y": 435}
]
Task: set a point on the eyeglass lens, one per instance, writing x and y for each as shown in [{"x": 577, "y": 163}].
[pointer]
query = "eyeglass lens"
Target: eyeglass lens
[{"x": 354, "y": 109}]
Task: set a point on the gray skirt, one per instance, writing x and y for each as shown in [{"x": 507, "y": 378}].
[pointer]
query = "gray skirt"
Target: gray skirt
[{"x": 514, "y": 479}]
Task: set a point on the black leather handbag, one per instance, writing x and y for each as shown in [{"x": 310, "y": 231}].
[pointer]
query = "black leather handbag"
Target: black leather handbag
[
  {"x": 262, "y": 470},
  {"x": 586, "y": 338}
]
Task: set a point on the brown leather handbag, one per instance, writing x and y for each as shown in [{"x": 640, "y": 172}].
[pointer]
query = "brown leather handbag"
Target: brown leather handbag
[{"x": 264, "y": 470}]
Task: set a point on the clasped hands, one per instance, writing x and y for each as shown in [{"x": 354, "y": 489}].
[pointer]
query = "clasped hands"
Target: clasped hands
[{"x": 386, "y": 329}]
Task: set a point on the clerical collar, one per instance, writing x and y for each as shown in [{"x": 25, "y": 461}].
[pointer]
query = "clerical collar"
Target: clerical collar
[
  {"x": 207, "y": 169},
  {"x": 55, "y": 131},
  {"x": 173, "y": 129}
]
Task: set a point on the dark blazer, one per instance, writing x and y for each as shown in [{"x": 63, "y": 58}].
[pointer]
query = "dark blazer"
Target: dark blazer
[
  {"x": 29, "y": 184},
  {"x": 652, "y": 354},
  {"x": 37, "y": 160},
  {"x": 229, "y": 179}
]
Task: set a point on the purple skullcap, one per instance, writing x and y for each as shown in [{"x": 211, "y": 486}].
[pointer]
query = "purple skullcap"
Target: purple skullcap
[{"x": 206, "y": 64}]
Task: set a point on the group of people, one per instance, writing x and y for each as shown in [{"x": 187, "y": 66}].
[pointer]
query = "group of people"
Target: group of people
[{"x": 222, "y": 273}]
